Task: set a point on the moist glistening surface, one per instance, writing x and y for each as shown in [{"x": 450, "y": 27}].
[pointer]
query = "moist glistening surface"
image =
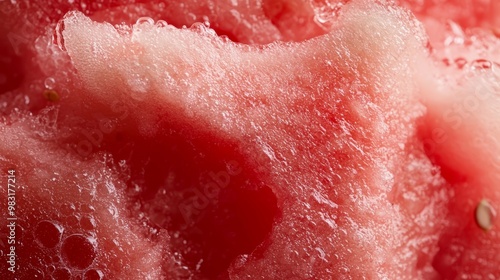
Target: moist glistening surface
[{"x": 257, "y": 139}]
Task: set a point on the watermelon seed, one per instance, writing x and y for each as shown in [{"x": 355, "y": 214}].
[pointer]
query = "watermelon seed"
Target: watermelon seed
[
  {"x": 484, "y": 215},
  {"x": 51, "y": 95}
]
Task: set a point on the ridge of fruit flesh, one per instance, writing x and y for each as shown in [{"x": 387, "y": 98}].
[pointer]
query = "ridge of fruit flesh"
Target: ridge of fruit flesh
[{"x": 142, "y": 150}]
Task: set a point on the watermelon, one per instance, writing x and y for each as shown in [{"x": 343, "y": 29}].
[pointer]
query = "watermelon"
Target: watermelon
[{"x": 257, "y": 140}]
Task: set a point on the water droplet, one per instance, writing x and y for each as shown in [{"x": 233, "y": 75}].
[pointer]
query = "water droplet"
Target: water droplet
[
  {"x": 51, "y": 268},
  {"x": 113, "y": 211},
  {"x": 198, "y": 265},
  {"x": 206, "y": 21},
  {"x": 58, "y": 36},
  {"x": 26, "y": 100},
  {"x": 55, "y": 259},
  {"x": 446, "y": 62},
  {"x": 161, "y": 23},
  {"x": 325, "y": 14},
  {"x": 145, "y": 20},
  {"x": 87, "y": 208},
  {"x": 322, "y": 254},
  {"x": 485, "y": 215},
  {"x": 139, "y": 86},
  {"x": 191, "y": 17},
  {"x": 236, "y": 16},
  {"x": 48, "y": 234},
  {"x": 224, "y": 38},
  {"x": 88, "y": 223},
  {"x": 93, "y": 274},
  {"x": 68, "y": 209},
  {"x": 344, "y": 269},
  {"x": 110, "y": 187},
  {"x": 34, "y": 273},
  {"x": 481, "y": 64},
  {"x": 61, "y": 274},
  {"x": 199, "y": 27},
  {"x": 321, "y": 18},
  {"x": 50, "y": 83},
  {"x": 79, "y": 251},
  {"x": 460, "y": 62},
  {"x": 455, "y": 34}
]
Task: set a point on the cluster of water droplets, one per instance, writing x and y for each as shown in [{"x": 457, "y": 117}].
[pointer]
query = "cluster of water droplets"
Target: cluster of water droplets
[
  {"x": 58, "y": 37},
  {"x": 72, "y": 255},
  {"x": 326, "y": 13},
  {"x": 53, "y": 62},
  {"x": 477, "y": 65},
  {"x": 45, "y": 121},
  {"x": 203, "y": 28},
  {"x": 467, "y": 51},
  {"x": 151, "y": 22}
]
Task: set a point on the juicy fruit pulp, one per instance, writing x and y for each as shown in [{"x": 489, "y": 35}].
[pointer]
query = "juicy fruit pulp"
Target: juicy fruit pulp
[{"x": 146, "y": 151}]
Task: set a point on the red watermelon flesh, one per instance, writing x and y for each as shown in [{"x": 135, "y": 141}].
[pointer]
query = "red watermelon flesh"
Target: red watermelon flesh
[{"x": 358, "y": 153}]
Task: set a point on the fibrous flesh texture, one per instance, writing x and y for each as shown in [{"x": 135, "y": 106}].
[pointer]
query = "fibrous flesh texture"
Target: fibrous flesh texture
[{"x": 265, "y": 140}]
